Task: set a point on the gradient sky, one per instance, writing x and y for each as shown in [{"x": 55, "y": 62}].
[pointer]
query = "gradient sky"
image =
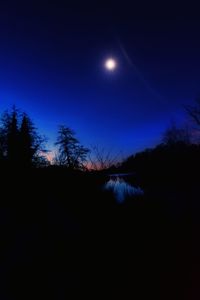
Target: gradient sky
[{"x": 51, "y": 66}]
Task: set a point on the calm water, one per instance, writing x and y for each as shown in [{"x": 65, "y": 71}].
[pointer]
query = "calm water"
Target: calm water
[{"x": 121, "y": 188}]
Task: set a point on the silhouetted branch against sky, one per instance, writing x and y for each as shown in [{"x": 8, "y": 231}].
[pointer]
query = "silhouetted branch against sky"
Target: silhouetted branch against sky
[{"x": 110, "y": 70}]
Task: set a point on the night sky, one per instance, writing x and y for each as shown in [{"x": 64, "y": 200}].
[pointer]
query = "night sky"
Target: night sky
[{"x": 52, "y": 58}]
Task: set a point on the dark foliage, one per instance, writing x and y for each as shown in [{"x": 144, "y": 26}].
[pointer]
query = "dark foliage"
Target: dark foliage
[
  {"x": 62, "y": 234},
  {"x": 71, "y": 153},
  {"x": 20, "y": 144}
]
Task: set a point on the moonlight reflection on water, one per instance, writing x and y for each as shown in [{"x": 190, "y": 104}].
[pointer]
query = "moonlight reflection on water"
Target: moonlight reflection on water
[{"x": 122, "y": 189}]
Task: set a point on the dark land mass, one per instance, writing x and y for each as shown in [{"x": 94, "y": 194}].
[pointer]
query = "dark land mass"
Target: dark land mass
[{"x": 63, "y": 236}]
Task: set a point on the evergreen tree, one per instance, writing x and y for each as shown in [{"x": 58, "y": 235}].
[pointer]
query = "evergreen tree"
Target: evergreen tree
[
  {"x": 31, "y": 143},
  {"x": 10, "y": 136},
  {"x": 26, "y": 141},
  {"x": 20, "y": 144}
]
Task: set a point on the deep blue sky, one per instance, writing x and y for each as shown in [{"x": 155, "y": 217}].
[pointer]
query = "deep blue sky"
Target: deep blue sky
[{"x": 51, "y": 66}]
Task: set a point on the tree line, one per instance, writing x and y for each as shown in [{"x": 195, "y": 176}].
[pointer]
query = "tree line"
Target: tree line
[{"x": 22, "y": 146}]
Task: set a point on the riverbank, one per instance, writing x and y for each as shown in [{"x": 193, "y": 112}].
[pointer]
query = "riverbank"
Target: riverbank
[{"x": 62, "y": 234}]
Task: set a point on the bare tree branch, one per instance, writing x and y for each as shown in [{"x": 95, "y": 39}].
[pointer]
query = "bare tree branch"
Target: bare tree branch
[{"x": 100, "y": 158}]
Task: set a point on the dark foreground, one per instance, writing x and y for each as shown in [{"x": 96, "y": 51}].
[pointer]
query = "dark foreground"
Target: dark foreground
[{"x": 63, "y": 237}]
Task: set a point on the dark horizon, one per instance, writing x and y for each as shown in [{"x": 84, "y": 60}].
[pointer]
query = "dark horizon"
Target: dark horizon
[{"x": 52, "y": 67}]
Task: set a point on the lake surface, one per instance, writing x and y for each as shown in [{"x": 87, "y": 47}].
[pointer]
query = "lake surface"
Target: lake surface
[{"x": 121, "y": 188}]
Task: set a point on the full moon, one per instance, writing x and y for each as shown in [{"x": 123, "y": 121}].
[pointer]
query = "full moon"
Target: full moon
[{"x": 110, "y": 64}]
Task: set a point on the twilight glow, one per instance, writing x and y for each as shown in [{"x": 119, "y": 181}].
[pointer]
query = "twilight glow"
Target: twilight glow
[{"x": 115, "y": 76}]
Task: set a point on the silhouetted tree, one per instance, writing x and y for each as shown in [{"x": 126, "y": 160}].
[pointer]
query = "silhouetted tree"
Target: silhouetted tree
[
  {"x": 10, "y": 136},
  {"x": 31, "y": 143},
  {"x": 194, "y": 111},
  {"x": 70, "y": 152},
  {"x": 174, "y": 135},
  {"x": 41, "y": 161},
  {"x": 194, "y": 114},
  {"x": 20, "y": 144}
]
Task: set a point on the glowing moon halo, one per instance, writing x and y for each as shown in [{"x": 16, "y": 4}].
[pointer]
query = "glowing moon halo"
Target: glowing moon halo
[{"x": 110, "y": 64}]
